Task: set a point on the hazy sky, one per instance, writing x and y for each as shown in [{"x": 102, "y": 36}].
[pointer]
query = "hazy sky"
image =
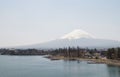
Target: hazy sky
[{"x": 33, "y": 21}]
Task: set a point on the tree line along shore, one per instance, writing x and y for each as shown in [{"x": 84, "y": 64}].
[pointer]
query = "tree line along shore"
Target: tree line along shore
[{"x": 109, "y": 56}]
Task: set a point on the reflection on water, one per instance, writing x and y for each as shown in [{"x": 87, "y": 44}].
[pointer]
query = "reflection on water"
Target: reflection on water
[
  {"x": 114, "y": 71},
  {"x": 36, "y": 66}
]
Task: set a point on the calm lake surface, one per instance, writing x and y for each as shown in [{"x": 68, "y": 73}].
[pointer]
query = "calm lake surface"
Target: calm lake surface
[{"x": 37, "y": 66}]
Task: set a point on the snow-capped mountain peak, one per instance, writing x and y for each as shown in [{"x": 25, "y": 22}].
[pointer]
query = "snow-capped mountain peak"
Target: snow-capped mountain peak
[
  {"x": 76, "y": 38},
  {"x": 77, "y": 34}
]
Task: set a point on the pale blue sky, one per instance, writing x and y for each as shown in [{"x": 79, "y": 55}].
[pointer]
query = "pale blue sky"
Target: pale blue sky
[{"x": 25, "y": 22}]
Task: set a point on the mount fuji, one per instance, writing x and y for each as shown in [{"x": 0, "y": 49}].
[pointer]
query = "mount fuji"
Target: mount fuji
[{"x": 77, "y": 38}]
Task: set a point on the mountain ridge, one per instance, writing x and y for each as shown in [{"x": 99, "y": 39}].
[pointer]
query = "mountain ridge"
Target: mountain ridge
[{"x": 76, "y": 38}]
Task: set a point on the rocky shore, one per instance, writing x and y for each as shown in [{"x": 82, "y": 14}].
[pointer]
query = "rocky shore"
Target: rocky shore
[{"x": 90, "y": 61}]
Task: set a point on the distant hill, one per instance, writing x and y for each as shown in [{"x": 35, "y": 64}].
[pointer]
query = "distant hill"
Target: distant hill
[{"x": 76, "y": 38}]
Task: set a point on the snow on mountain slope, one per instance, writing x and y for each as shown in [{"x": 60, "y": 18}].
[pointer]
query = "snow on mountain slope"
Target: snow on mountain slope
[{"x": 77, "y": 34}]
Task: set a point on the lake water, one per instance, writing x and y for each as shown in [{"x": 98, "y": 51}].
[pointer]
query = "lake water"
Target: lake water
[{"x": 37, "y": 66}]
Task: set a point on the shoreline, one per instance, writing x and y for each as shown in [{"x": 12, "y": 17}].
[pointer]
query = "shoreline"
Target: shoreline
[{"x": 92, "y": 61}]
